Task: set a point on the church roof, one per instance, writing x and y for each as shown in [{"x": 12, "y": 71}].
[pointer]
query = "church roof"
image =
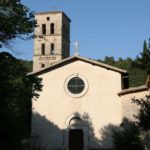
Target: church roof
[
  {"x": 133, "y": 90},
  {"x": 75, "y": 58}
]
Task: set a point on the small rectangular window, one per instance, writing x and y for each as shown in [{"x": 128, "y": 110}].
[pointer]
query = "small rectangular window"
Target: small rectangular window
[
  {"x": 125, "y": 81},
  {"x": 52, "y": 48},
  {"x": 42, "y": 65},
  {"x": 48, "y": 18},
  {"x": 43, "y": 49},
  {"x": 52, "y": 26},
  {"x": 43, "y": 28}
]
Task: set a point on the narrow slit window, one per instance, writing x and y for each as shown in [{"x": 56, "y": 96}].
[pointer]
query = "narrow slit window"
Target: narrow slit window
[
  {"x": 52, "y": 48},
  {"x": 43, "y": 49},
  {"x": 52, "y": 28},
  {"x": 43, "y": 28}
]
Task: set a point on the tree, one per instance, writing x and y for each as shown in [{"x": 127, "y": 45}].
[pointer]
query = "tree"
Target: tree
[
  {"x": 17, "y": 90},
  {"x": 128, "y": 137},
  {"x": 27, "y": 64},
  {"x": 143, "y": 117},
  {"x": 144, "y": 60},
  {"x": 16, "y": 21},
  {"x": 137, "y": 76},
  {"x": 135, "y": 135},
  {"x": 109, "y": 61}
]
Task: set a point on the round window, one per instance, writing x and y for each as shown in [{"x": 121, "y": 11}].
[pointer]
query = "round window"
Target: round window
[{"x": 76, "y": 85}]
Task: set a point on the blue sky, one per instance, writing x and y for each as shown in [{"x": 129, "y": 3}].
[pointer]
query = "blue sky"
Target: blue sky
[{"x": 103, "y": 27}]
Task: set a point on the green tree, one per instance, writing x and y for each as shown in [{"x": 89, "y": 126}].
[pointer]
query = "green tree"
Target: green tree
[
  {"x": 143, "y": 117},
  {"x": 109, "y": 61},
  {"x": 17, "y": 90},
  {"x": 128, "y": 137},
  {"x": 144, "y": 60},
  {"x": 27, "y": 64},
  {"x": 135, "y": 135},
  {"x": 16, "y": 21},
  {"x": 137, "y": 76},
  {"x": 124, "y": 63}
]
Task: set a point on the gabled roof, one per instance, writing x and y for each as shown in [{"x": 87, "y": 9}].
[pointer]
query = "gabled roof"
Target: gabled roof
[{"x": 75, "y": 58}]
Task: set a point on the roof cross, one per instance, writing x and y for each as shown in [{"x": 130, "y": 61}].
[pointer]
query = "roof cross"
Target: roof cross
[{"x": 76, "y": 44}]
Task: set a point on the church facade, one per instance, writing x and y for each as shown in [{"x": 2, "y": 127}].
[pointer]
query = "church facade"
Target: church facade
[{"x": 81, "y": 100}]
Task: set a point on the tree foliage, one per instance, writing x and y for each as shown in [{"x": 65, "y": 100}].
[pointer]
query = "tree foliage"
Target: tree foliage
[
  {"x": 144, "y": 60},
  {"x": 135, "y": 135},
  {"x": 143, "y": 118},
  {"x": 17, "y": 90},
  {"x": 27, "y": 64},
  {"x": 16, "y": 20},
  {"x": 128, "y": 138}
]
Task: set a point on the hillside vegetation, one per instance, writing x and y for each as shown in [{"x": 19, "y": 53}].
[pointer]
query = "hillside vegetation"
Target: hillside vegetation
[
  {"x": 27, "y": 64},
  {"x": 138, "y": 68}
]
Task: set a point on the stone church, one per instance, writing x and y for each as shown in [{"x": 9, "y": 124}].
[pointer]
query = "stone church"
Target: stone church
[{"x": 81, "y": 99}]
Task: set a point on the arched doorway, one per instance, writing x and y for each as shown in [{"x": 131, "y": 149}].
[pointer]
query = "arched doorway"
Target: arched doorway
[{"x": 76, "y": 137}]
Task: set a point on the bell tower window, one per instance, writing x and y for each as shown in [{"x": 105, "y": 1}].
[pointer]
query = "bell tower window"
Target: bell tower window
[
  {"x": 42, "y": 65},
  {"x": 43, "y": 28},
  {"x": 52, "y": 28},
  {"x": 52, "y": 48},
  {"x": 43, "y": 49},
  {"x": 48, "y": 18}
]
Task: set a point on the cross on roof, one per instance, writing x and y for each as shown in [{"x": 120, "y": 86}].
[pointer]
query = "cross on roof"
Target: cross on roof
[{"x": 76, "y": 44}]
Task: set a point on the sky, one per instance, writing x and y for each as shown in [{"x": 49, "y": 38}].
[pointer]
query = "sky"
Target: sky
[{"x": 115, "y": 28}]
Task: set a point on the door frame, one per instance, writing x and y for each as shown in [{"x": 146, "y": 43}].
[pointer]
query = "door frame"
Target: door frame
[
  {"x": 84, "y": 128},
  {"x": 76, "y": 137}
]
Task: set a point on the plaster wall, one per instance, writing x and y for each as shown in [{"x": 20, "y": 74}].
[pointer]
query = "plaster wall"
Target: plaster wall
[
  {"x": 130, "y": 109},
  {"x": 101, "y": 102}
]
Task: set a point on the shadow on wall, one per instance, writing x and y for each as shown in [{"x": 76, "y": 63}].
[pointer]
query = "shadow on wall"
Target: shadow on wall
[
  {"x": 105, "y": 143},
  {"x": 44, "y": 133},
  {"x": 106, "y": 136},
  {"x": 48, "y": 136},
  {"x": 146, "y": 139}
]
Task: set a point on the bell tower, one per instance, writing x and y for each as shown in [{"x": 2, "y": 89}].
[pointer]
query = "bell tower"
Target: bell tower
[{"x": 52, "y": 39}]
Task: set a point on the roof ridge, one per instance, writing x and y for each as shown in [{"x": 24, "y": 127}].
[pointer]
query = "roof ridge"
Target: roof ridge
[
  {"x": 103, "y": 64},
  {"x": 83, "y": 59}
]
